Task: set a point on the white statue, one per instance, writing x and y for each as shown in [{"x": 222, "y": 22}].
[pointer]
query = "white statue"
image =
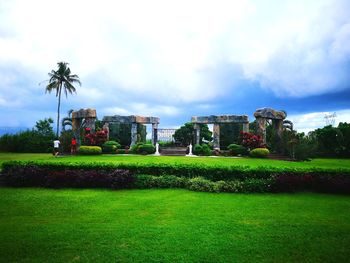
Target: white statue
[
  {"x": 157, "y": 149},
  {"x": 190, "y": 150}
]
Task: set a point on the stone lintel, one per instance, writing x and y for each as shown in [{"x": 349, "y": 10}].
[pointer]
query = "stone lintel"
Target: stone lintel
[
  {"x": 270, "y": 113},
  {"x": 84, "y": 113},
  {"x": 131, "y": 119},
  {"x": 220, "y": 119}
]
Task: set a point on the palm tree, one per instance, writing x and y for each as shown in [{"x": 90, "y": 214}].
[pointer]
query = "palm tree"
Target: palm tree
[{"x": 61, "y": 78}]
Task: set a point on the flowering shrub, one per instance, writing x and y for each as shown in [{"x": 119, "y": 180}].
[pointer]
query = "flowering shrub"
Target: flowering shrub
[
  {"x": 95, "y": 139},
  {"x": 252, "y": 141}
]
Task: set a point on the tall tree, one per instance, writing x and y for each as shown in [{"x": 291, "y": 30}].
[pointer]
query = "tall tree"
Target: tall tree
[{"x": 62, "y": 79}]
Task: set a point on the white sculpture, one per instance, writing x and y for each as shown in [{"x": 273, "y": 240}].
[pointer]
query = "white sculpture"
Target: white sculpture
[
  {"x": 190, "y": 150},
  {"x": 157, "y": 149}
]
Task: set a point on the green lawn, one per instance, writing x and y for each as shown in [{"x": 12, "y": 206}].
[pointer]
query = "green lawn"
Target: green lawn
[
  {"x": 207, "y": 161},
  {"x": 43, "y": 225}
]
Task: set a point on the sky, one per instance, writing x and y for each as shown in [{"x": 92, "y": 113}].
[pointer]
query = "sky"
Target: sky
[{"x": 177, "y": 59}]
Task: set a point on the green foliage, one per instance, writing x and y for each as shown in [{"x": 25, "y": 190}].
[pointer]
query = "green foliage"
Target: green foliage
[
  {"x": 333, "y": 141},
  {"x": 236, "y": 149},
  {"x": 259, "y": 152},
  {"x": 66, "y": 140},
  {"x": 39, "y": 139},
  {"x": 162, "y": 181},
  {"x": 229, "y": 133},
  {"x": 121, "y": 132},
  {"x": 206, "y": 151},
  {"x": 197, "y": 149},
  {"x": 61, "y": 79},
  {"x": 146, "y": 149},
  {"x": 110, "y": 147},
  {"x": 143, "y": 148},
  {"x": 186, "y": 134},
  {"x": 90, "y": 150},
  {"x": 203, "y": 149},
  {"x": 201, "y": 184}
]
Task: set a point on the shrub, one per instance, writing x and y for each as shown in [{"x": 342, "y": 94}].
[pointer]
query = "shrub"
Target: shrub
[
  {"x": 201, "y": 184},
  {"x": 147, "y": 148},
  {"x": 206, "y": 151},
  {"x": 251, "y": 141},
  {"x": 95, "y": 139},
  {"x": 236, "y": 149},
  {"x": 229, "y": 186},
  {"x": 197, "y": 149},
  {"x": 90, "y": 150},
  {"x": 163, "y": 181},
  {"x": 122, "y": 151},
  {"x": 192, "y": 176},
  {"x": 46, "y": 176},
  {"x": 259, "y": 152},
  {"x": 110, "y": 147}
]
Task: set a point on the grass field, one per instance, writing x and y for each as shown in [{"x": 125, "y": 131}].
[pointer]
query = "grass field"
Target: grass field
[
  {"x": 41, "y": 225},
  {"x": 206, "y": 161}
]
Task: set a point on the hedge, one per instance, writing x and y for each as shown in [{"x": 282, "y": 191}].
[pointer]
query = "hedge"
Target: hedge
[
  {"x": 89, "y": 150},
  {"x": 191, "y": 176}
]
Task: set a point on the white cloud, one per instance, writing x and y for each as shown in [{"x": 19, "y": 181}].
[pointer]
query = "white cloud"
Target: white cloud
[
  {"x": 169, "y": 48},
  {"x": 311, "y": 121}
]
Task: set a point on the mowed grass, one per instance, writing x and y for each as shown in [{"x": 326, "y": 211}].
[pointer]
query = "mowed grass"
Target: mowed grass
[
  {"x": 45, "y": 225},
  {"x": 205, "y": 161}
]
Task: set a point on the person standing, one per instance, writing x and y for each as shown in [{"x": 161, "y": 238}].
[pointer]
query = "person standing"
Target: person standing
[
  {"x": 73, "y": 146},
  {"x": 56, "y": 146}
]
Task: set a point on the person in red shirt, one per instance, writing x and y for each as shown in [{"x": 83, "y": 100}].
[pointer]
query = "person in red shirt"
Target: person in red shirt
[{"x": 73, "y": 146}]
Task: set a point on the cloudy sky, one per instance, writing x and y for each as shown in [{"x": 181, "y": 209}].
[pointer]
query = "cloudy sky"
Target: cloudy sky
[{"x": 176, "y": 59}]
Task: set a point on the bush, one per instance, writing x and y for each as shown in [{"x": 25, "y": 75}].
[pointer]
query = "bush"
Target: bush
[
  {"x": 203, "y": 149},
  {"x": 250, "y": 140},
  {"x": 206, "y": 151},
  {"x": 191, "y": 176},
  {"x": 197, "y": 149},
  {"x": 147, "y": 148},
  {"x": 90, "y": 150},
  {"x": 259, "y": 152},
  {"x": 122, "y": 151},
  {"x": 236, "y": 149},
  {"x": 201, "y": 184},
  {"x": 163, "y": 181},
  {"x": 143, "y": 148},
  {"x": 110, "y": 147},
  {"x": 46, "y": 176}
]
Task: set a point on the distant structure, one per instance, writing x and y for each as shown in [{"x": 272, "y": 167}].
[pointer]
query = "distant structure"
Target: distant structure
[
  {"x": 217, "y": 120},
  {"x": 277, "y": 117},
  {"x": 133, "y": 120},
  {"x": 330, "y": 118}
]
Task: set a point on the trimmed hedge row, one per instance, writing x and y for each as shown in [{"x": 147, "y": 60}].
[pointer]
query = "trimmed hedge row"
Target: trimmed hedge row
[{"x": 211, "y": 179}]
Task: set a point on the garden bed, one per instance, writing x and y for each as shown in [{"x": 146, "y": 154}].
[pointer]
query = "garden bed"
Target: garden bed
[{"x": 167, "y": 175}]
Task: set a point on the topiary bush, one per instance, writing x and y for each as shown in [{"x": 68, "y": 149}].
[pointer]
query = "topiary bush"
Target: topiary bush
[
  {"x": 236, "y": 149},
  {"x": 146, "y": 148},
  {"x": 110, "y": 147},
  {"x": 90, "y": 150},
  {"x": 259, "y": 153}
]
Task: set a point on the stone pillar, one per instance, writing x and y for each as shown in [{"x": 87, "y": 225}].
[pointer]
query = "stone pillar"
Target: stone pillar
[
  {"x": 133, "y": 134},
  {"x": 154, "y": 133},
  {"x": 106, "y": 128},
  {"x": 76, "y": 123},
  {"x": 278, "y": 129},
  {"x": 197, "y": 129},
  {"x": 261, "y": 122},
  {"x": 246, "y": 127},
  {"x": 216, "y": 136}
]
